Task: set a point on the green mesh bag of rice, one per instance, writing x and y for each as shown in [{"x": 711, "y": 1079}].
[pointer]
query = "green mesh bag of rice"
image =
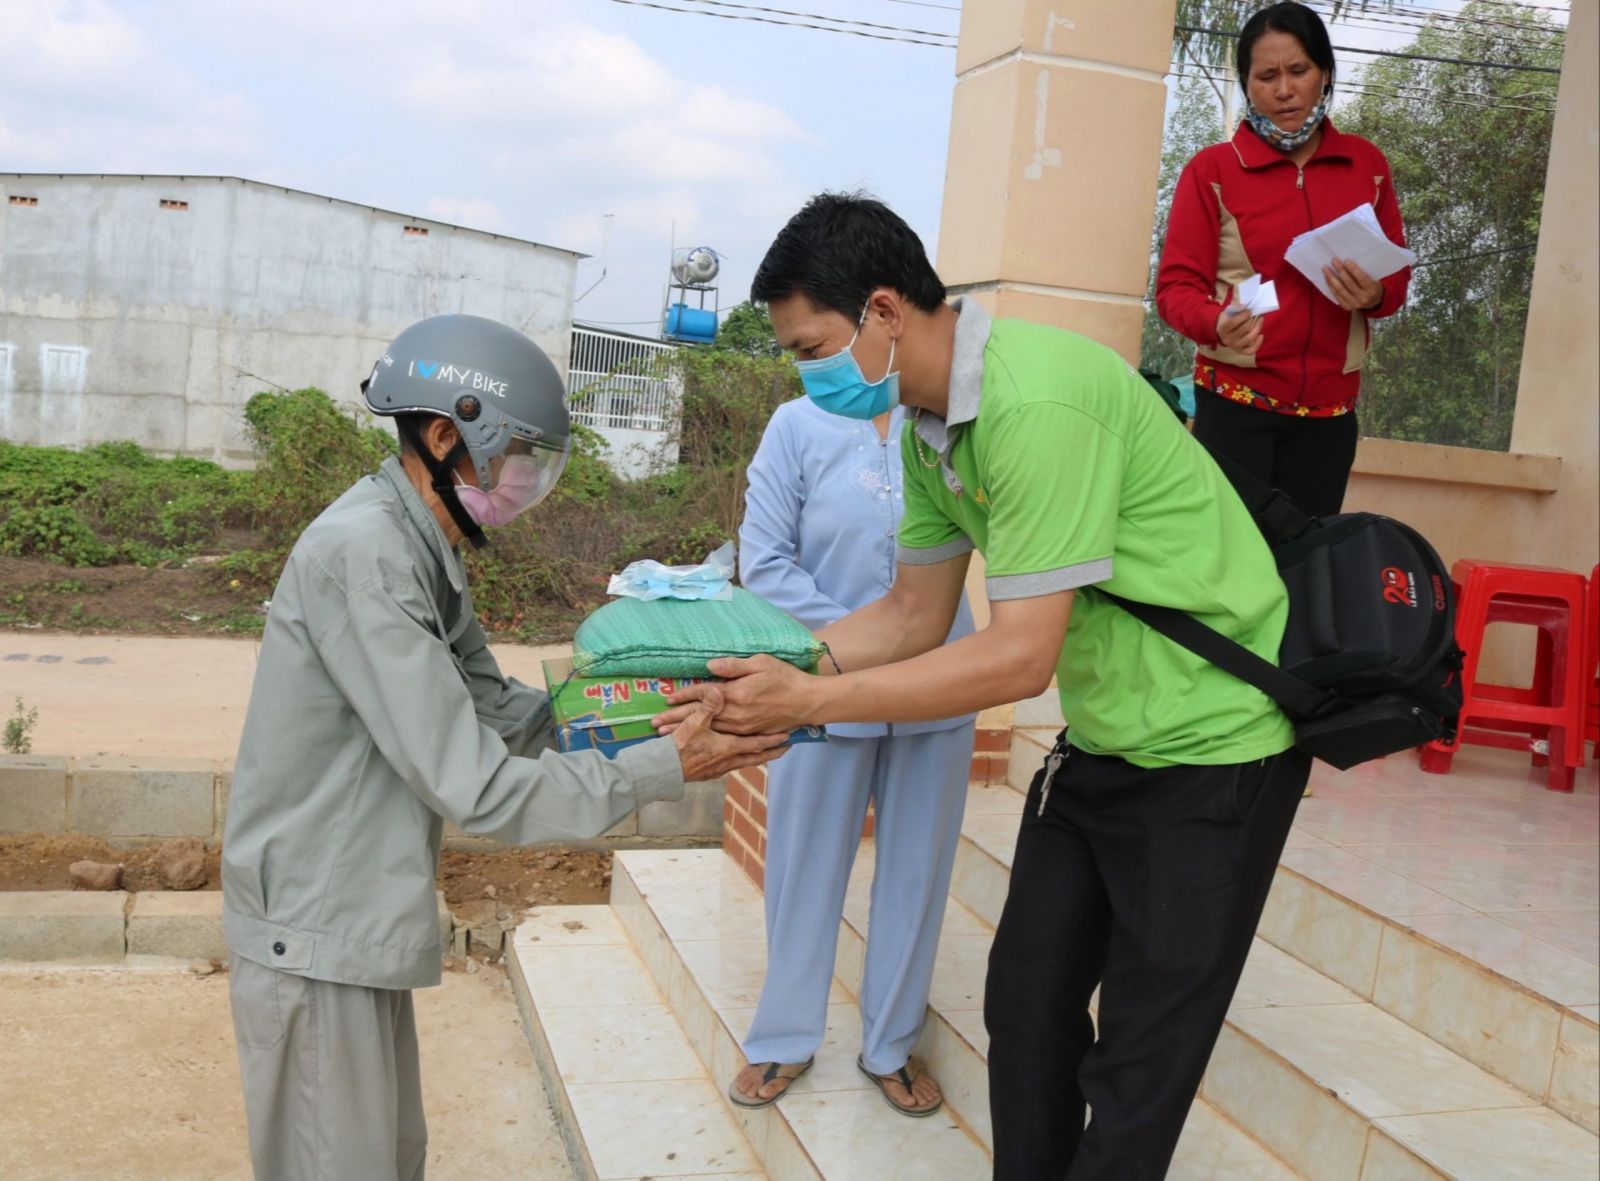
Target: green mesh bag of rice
[{"x": 675, "y": 638}]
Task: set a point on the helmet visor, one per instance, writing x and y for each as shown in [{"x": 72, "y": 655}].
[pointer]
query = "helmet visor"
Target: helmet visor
[
  {"x": 523, "y": 475},
  {"x": 528, "y": 472}
]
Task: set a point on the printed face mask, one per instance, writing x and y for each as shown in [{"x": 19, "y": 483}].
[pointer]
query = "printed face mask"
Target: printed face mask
[
  {"x": 1286, "y": 141},
  {"x": 837, "y": 384}
]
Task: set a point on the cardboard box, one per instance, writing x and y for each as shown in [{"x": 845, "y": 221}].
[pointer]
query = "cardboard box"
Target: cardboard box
[{"x": 610, "y": 713}]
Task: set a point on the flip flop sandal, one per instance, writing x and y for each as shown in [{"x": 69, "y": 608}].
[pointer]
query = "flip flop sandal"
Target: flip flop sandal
[
  {"x": 905, "y": 1077},
  {"x": 770, "y": 1071}
]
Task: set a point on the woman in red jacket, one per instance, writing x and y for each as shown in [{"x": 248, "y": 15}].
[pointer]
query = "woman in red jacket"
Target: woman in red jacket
[{"x": 1277, "y": 393}]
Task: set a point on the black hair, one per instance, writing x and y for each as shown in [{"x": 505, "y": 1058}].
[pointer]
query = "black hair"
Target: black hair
[
  {"x": 1301, "y": 23},
  {"x": 408, "y": 428},
  {"x": 838, "y": 249}
]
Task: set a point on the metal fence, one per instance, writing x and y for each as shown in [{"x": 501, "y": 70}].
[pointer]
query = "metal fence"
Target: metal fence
[{"x": 618, "y": 382}]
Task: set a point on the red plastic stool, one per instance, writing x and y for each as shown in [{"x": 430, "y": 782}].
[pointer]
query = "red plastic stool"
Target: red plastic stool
[
  {"x": 1591, "y": 663},
  {"x": 1549, "y": 714}
]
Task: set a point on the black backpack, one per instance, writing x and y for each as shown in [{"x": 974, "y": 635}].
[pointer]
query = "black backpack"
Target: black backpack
[{"x": 1369, "y": 663}]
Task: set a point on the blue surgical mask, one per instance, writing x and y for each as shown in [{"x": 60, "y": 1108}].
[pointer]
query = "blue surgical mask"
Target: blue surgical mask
[{"x": 837, "y": 385}]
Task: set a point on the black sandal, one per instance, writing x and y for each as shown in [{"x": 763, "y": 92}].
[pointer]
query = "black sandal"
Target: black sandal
[
  {"x": 773, "y": 1070},
  {"x": 905, "y": 1076}
]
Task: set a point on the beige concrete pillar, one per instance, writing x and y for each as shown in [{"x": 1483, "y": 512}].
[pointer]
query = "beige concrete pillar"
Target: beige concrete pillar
[
  {"x": 1055, "y": 148},
  {"x": 1558, "y": 393}
]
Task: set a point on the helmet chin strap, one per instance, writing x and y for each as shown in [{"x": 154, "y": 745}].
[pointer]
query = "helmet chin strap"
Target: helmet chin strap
[{"x": 444, "y": 487}]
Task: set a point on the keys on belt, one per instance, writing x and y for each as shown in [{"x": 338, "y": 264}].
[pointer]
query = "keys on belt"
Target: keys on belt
[{"x": 1052, "y": 764}]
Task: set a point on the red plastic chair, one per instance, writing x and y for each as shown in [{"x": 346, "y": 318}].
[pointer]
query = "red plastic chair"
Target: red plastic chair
[
  {"x": 1591, "y": 663},
  {"x": 1548, "y": 718}
]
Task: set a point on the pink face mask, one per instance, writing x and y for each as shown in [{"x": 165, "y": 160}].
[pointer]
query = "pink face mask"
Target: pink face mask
[{"x": 524, "y": 481}]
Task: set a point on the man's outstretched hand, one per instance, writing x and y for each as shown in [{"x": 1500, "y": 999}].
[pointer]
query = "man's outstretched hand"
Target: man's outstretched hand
[
  {"x": 706, "y": 754},
  {"x": 758, "y": 695}
]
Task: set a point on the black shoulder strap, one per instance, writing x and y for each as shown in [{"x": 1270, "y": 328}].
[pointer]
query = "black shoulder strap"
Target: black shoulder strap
[
  {"x": 1275, "y": 514},
  {"x": 1298, "y": 699}
]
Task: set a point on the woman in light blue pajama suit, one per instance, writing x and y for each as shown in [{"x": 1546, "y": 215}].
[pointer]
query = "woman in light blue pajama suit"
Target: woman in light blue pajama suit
[{"x": 818, "y": 540}]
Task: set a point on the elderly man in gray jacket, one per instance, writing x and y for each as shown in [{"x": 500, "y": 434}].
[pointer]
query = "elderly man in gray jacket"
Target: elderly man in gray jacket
[{"x": 378, "y": 713}]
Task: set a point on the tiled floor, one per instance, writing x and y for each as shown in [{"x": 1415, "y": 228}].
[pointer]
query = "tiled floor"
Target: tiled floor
[{"x": 1485, "y": 861}]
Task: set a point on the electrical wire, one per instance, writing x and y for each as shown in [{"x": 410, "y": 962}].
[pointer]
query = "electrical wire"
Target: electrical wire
[
  {"x": 1527, "y": 36},
  {"x": 1381, "y": 90},
  {"x": 1424, "y": 57},
  {"x": 1436, "y": 262},
  {"x": 837, "y": 20},
  {"x": 1422, "y": 18},
  {"x": 730, "y": 16},
  {"x": 925, "y": 4}
]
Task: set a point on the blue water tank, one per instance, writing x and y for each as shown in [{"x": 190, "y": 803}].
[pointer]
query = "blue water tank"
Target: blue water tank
[{"x": 694, "y": 325}]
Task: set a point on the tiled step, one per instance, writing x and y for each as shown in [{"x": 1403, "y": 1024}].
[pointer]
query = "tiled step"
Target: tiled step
[
  {"x": 632, "y": 1097},
  {"x": 1392, "y": 997},
  {"x": 1435, "y": 966},
  {"x": 698, "y": 924},
  {"x": 1331, "y": 1084},
  {"x": 955, "y": 1045},
  {"x": 1465, "y": 905}
]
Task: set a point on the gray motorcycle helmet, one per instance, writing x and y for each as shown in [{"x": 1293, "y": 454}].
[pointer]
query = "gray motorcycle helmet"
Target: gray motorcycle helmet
[{"x": 500, "y": 390}]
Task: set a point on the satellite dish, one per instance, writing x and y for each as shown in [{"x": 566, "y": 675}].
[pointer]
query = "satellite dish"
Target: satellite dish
[{"x": 695, "y": 266}]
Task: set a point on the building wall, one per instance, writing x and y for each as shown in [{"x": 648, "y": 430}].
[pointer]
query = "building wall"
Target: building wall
[{"x": 122, "y": 319}]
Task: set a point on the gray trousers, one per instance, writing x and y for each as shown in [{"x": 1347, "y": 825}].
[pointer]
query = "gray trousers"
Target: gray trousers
[{"x": 332, "y": 1087}]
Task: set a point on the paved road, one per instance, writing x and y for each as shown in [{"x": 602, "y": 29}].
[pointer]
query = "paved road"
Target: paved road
[{"x": 152, "y": 696}]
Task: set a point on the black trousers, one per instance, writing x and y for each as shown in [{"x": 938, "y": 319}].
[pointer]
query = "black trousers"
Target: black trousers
[
  {"x": 1148, "y": 884},
  {"x": 1309, "y": 459}
]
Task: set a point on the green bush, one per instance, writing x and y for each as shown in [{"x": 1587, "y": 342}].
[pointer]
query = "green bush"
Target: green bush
[
  {"x": 308, "y": 451},
  {"x": 539, "y": 576},
  {"x": 113, "y": 503}
]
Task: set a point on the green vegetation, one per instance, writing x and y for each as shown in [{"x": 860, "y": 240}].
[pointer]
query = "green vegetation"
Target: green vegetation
[
  {"x": 113, "y": 503},
  {"x": 17, "y": 738},
  {"x": 746, "y": 329},
  {"x": 116, "y": 505},
  {"x": 1471, "y": 185}
]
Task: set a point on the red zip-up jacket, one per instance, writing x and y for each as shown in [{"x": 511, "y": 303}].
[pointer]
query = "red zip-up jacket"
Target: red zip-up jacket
[{"x": 1237, "y": 207}]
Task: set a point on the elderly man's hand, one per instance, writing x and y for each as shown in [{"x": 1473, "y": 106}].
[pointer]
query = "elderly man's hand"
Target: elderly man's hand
[
  {"x": 758, "y": 695},
  {"x": 706, "y": 754}
]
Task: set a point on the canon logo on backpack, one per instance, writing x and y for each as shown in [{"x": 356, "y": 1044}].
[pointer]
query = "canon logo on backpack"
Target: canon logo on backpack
[{"x": 1399, "y": 587}]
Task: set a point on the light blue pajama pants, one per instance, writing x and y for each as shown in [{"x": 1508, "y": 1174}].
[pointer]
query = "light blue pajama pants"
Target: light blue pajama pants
[{"x": 816, "y": 804}]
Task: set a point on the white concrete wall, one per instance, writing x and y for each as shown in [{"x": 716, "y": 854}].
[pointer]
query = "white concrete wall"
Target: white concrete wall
[
  {"x": 123, "y": 320},
  {"x": 635, "y": 454}
]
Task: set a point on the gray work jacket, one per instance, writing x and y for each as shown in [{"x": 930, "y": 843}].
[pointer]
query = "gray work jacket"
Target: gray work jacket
[{"x": 377, "y": 713}]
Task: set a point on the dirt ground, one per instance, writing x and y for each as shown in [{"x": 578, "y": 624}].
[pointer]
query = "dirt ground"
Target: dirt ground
[
  {"x": 130, "y": 600},
  {"x": 131, "y": 1075},
  {"x": 516, "y": 878},
  {"x": 194, "y": 600}
]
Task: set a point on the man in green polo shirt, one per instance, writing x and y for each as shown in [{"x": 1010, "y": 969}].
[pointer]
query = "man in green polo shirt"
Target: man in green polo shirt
[{"x": 1149, "y": 838}]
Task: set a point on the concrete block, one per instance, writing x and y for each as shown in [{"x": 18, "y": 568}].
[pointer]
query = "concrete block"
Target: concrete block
[
  {"x": 697, "y": 814},
  {"x": 37, "y": 925},
  {"x": 445, "y": 934},
  {"x": 628, "y": 826},
  {"x": 224, "y": 787},
  {"x": 182, "y": 923},
  {"x": 143, "y": 798},
  {"x": 33, "y": 793}
]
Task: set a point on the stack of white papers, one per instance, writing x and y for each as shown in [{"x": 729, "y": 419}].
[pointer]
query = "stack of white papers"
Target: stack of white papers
[
  {"x": 1255, "y": 297},
  {"x": 1356, "y": 237}
]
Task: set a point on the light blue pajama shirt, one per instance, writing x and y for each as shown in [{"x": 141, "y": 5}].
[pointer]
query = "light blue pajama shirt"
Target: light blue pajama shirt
[{"x": 818, "y": 540}]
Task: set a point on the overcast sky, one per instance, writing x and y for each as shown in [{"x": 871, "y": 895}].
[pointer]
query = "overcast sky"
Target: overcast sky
[{"x": 532, "y": 117}]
